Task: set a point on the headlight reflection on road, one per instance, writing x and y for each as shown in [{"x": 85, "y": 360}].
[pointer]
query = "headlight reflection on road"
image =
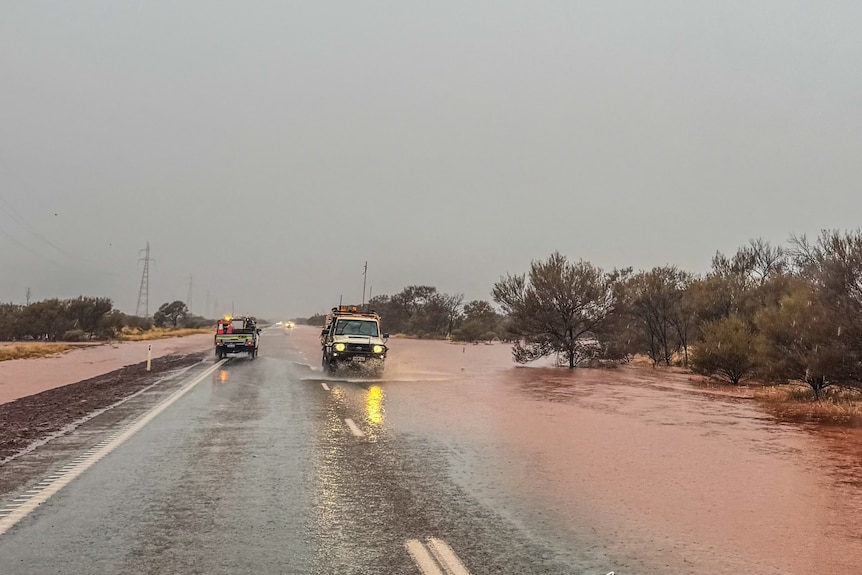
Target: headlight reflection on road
[
  {"x": 223, "y": 375},
  {"x": 374, "y": 405}
]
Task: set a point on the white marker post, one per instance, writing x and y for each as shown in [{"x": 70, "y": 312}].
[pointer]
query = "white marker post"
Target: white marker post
[{"x": 149, "y": 356}]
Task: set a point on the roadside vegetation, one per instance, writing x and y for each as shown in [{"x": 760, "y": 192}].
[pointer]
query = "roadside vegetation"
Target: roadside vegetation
[
  {"x": 797, "y": 401},
  {"x": 93, "y": 319},
  {"x": 422, "y": 311},
  {"x": 128, "y": 334},
  {"x": 774, "y": 314},
  {"x": 778, "y": 315},
  {"x": 31, "y": 350}
]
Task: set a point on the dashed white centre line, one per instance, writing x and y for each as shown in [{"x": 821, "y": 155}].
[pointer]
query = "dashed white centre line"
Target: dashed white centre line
[
  {"x": 435, "y": 557},
  {"x": 354, "y": 429},
  {"x": 422, "y": 558},
  {"x": 446, "y": 557},
  {"x": 326, "y": 387}
]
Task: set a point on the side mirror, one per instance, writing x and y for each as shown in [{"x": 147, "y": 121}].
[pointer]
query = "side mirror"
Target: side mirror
[
  {"x": 385, "y": 336},
  {"x": 323, "y": 332}
]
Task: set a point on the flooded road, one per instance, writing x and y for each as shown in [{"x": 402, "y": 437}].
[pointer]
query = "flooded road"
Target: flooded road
[
  {"x": 648, "y": 464},
  {"x": 455, "y": 454}
]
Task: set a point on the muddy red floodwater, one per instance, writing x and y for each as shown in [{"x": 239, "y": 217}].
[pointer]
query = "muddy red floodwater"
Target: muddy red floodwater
[{"x": 672, "y": 472}]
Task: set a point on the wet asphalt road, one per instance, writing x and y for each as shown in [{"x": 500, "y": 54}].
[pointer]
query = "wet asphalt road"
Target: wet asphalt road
[{"x": 256, "y": 470}]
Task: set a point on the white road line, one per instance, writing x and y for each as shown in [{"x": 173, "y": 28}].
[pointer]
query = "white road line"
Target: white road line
[
  {"x": 446, "y": 557},
  {"x": 326, "y": 387},
  {"x": 354, "y": 429},
  {"x": 435, "y": 557},
  {"x": 422, "y": 558},
  {"x": 7, "y": 522}
]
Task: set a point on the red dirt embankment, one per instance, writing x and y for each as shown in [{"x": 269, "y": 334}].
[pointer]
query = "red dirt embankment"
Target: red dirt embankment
[
  {"x": 36, "y": 416},
  {"x": 23, "y": 377}
]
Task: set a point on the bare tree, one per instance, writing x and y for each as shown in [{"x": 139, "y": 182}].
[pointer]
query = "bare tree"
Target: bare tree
[
  {"x": 755, "y": 263},
  {"x": 555, "y": 307},
  {"x": 654, "y": 299}
]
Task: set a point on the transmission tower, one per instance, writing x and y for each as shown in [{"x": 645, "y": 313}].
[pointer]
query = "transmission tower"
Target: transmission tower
[{"x": 144, "y": 291}]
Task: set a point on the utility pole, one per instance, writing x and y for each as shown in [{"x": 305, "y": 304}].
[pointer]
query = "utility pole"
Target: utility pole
[
  {"x": 364, "y": 279},
  {"x": 207, "y": 306},
  {"x": 216, "y": 310},
  {"x": 191, "y": 293},
  {"x": 28, "y": 296},
  {"x": 144, "y": 291}
]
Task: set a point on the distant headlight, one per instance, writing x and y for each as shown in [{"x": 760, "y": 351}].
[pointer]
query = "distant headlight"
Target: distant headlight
[
  {"x": 339, "y": 347},
  {"x": 378, "y": 349}
]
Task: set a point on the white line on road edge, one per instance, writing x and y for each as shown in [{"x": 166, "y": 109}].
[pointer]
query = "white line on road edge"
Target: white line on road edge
[
  {"x": 25, "y": 509},
  {"x": 354, "y": 429},
  {"x": 75, "y": 424},
  {"x": 326, "y": 387},
  {"x": 435, "y": 557}
]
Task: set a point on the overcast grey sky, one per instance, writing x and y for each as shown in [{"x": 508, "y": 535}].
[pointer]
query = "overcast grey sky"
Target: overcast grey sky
[{"x": 270, "y": 148}]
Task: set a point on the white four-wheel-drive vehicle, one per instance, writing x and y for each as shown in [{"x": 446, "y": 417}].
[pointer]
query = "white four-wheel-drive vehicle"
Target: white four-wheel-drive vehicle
[{"x": 352, "y": 337}]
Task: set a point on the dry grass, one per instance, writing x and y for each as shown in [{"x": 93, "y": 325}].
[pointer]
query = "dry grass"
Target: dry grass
[
  {"x": 641, "y": 360},
  {"x": 31, "y": 350},
  {"x": 797, "y": 399},
  {"x": 159, "y": 333}
]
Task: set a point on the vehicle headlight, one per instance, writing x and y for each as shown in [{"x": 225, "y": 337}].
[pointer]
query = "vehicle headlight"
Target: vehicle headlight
[
  {"x": 378, "y": 349},
  {"x": 339, "y": 347}
]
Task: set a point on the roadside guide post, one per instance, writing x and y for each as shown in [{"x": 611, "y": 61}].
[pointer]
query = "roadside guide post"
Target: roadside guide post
[{"x": 149, "y": 356}]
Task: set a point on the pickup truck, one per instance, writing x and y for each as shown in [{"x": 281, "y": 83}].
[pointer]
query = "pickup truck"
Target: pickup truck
[{"x": 237, "y": 335}]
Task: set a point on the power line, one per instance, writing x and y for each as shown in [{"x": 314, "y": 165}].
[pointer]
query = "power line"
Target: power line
[
  {"x": 10, "y": 211},
  {"x": 25, "y": 247},
  {"x": 17, "y": 218}
]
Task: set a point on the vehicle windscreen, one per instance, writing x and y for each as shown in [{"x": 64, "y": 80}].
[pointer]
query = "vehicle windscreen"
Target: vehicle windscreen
[{"x": 357, "y": 327}]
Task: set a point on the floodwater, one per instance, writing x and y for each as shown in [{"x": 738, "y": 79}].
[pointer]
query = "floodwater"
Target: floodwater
[
  {"x": 674, "y": 471},
  {"x": 669, "y": 470},
  {"x": 644, "y": 463}
]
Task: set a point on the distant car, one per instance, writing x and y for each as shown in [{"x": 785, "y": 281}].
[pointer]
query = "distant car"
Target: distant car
[{"x": 289, "y": 325}]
